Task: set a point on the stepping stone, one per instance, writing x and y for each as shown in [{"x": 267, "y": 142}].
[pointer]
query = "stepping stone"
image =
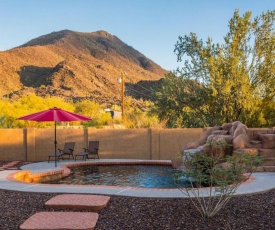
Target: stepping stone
[
  {"x": 61, "y": 220},
  {"x": 78, "y": 202}
]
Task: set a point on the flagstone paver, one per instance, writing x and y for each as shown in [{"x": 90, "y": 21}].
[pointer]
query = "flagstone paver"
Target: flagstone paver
[
  {"x": 9, "y": 166},
  {"x": 78, "y": 201},
  {"x": 61, "y": 220}
]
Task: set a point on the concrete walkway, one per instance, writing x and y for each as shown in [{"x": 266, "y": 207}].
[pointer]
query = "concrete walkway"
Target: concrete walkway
[{"x": 262, "y": 182}]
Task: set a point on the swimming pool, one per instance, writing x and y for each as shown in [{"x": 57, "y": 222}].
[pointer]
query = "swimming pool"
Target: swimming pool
[{"x": 139, "y": 176}]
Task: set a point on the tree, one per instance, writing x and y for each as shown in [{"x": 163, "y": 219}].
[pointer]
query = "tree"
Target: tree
[{"x": 222, "y": 82}]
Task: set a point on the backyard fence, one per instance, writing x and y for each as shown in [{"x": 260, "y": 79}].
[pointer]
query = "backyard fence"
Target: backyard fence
[{"x": 34, "y": 144}]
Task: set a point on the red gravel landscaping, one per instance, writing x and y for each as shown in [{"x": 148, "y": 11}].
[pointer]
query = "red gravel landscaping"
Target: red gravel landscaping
[{"x": 122, "y": 213}]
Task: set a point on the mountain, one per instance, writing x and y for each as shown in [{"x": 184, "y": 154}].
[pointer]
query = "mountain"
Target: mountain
[{"x": 75, "y": 65}]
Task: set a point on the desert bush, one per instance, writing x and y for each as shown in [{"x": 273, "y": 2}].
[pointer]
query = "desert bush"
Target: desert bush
[
  {"x": 27, "y": 104},
  {"x": 135, "y": 118},
  {"x": 95, "y": 111},
  {"x": 213, "y": 180}
]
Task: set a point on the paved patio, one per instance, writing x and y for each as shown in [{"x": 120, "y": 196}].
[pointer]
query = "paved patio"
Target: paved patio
[{"x": 262, "y": 182}]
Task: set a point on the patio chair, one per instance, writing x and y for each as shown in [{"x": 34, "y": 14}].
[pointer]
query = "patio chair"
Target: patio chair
[
  {"x": 66, "y": 151},
  {"x": 91, "y": 150}
]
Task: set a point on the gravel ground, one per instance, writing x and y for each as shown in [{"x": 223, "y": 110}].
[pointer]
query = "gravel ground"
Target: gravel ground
[{"x": 242, "y": 212}]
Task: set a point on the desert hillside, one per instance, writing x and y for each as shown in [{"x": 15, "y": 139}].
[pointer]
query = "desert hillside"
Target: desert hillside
[{"x": 76, "y": 65}]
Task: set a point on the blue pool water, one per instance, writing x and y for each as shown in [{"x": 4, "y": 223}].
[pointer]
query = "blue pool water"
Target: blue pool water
[{"x": 140, "y": 176}]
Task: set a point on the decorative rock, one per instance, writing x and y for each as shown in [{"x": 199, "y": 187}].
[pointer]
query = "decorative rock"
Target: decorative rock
[
  {"x": 241, "y": 129},
  {"x": 266, "y": 169},
  {"x": 227, "y": 126},
  {"x": 220, "y": 138},
  {"x": 220, "y": 132},
  {"x": 267, "y": 152},
  {"x": 255, "y": 141},
  {"x": 220, "y": 151},
  {"x": 241, "y": 141},
  {"x": 253, "y": 134},
  {"x": 268, "y": 140},
  {"x": 250, "y": 152},
  {"x": 234, "y": 126},
  {"x": 214, "y": 129},
  {"x": 256, "y": 144}
]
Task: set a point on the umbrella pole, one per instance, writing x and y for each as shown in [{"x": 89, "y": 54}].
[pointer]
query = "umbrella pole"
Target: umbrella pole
[{"x": 55, "y": 143}]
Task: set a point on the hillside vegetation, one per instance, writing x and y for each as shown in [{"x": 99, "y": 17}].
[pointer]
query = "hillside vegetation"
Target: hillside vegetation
[{"x": 27, "y": 104}]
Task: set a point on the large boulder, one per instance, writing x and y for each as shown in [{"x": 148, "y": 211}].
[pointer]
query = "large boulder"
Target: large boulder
[
  {"x": 203, "y": 138},
  {"x": 227, "y": 126},
  {"x": 240, "y": 129},
  {"x": 218, "y": 150},
  {"x": 233, "y": 127},
  {"x": 241, "y": 141}
]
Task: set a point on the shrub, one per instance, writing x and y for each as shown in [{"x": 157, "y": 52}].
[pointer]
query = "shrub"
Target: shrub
[{"x": 218, "y": 177}]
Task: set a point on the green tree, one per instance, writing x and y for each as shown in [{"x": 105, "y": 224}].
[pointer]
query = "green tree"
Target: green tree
[
  {"x": 222, "y": 82},
  {"x": 176, "y": 103}
]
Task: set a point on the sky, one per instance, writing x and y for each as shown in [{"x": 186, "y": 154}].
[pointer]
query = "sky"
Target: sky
[{"x": 150, "y": 26}]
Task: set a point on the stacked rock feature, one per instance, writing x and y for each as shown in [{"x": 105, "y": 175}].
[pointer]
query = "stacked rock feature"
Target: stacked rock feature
[{"x": 239, "y": 139}]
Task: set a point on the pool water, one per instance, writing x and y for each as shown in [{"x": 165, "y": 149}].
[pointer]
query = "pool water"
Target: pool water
[{"x": 140, "y": 176}]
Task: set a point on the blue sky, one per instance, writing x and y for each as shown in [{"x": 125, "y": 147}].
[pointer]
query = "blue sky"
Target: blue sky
[{"x": 150, "y": 26}]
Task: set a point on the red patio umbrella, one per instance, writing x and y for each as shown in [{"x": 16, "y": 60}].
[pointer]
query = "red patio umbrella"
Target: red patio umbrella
[{"x": 56, "y": 115}]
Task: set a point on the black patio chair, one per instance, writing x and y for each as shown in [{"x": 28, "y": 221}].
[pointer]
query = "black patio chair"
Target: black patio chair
[
  {"x": 66, "y": 151},
  {"x": 91, "y": 150}
]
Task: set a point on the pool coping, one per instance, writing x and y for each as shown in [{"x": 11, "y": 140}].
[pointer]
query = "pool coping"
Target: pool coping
[{"x": 259, "y": 183}]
